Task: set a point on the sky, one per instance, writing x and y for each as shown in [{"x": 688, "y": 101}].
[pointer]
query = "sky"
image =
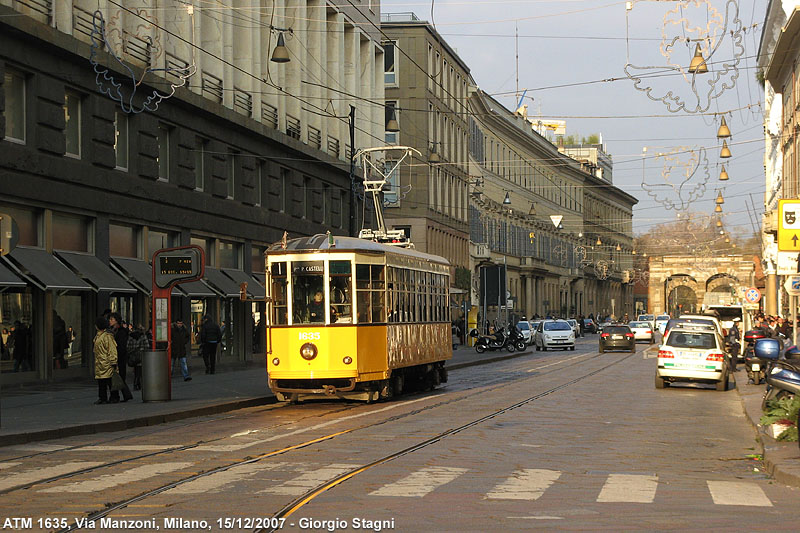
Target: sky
[{"x": 568, "y": 47}]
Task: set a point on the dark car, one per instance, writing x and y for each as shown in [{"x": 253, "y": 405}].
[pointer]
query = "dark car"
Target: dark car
[
  {"x": 617, "y": 337},
  {"x": 589, "y": 326}
]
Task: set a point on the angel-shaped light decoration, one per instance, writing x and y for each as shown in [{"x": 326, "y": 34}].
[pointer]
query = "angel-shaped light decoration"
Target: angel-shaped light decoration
[
  {"x": 601, "y": 269},
  {"x": 690, "y": 28},
  {"x": 119, "y": 80},
  {"x": 683, "y": 178}
]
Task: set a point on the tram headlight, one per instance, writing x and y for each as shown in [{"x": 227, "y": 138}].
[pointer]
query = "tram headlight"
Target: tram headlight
[
  {"x": 276, "y": 362},
  {"x": 347, "y": 360},
  {"x": 308, "y": 351}
]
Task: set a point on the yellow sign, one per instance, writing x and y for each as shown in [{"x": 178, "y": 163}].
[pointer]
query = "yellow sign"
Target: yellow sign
[{"x": 789, "y": 225}]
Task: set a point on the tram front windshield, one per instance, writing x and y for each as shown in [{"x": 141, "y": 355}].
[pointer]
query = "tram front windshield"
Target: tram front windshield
[{"x": 308, "y": 292}]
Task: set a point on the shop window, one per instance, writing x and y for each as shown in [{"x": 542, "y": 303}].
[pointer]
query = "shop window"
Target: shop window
[
  {"x": 121, "y": 140},
  {"x": 72, "y": 120},
  {"x": 279, "y": 294},
  {"x": 371, "y": 293},
  {"x": 71, "y": 232},
  {"x": 229, "y": 254},
  {"x": 27, "y": 221},
  {"x": 341, "y": 291},
  {"x": 16, "y": 328},
  {"x": 15, "y": 111},
  {"x": 122, "y": 241},
  {"x": 67, "y": 334}
]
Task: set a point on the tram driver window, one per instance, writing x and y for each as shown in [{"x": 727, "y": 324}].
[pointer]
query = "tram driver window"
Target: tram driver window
[
  {"x": 279, "y": 305},
  {"x": 341, "y": 290},
  {"x": 308, "y": 292}
]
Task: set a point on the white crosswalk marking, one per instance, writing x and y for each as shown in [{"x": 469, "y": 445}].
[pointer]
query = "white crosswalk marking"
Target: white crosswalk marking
[
  {"x": 3, "y": 466},
  {"x": 309, "y": 480},
  {"x": 738, "y": 493},
  {"x": 528, "y": 484},
  {"x": 630, "y": 488},
  {"x": 38, "y": 474},
  {"x": 113, "y": 480},
  {"x": 420, "y": 482},
  {"x": 216, "y": 482},
  {"x": 39, "y": 447}
]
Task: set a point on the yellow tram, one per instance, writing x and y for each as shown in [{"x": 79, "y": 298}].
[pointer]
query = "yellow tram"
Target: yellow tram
[{"x": 354, "y": 318}]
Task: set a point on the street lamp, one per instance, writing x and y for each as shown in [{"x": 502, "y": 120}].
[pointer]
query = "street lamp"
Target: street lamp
[
  {"x": 723, "y": 132},
  {"x": 507, "y": 199},
  {"x": 280, "y": 54},
  {"x": 433, "y": 157}
]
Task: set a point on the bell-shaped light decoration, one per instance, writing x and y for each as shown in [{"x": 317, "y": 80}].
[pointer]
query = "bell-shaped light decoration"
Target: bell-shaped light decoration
[
  {"x": 719, "y": 223},
  {"x": 391, "y": 125},
  {"x": 725, "y": 153},
  {"x": 723, "y": 175},
  {"x": 723, "y": 132},
  {"x": 633, "y": 252},
  {"x": 619, "y": 248},
  {"x": 718, "y": 209},
  {"x": 507, "y": 199},
  {"x": 280, "y": 54},
  {"x": 434, "y": 157},
  {"x": 727, "y": 239},
  {"x": 599, "y": 242},
  {"x": 720, "y": 200},
  {"x": 698, "y": 64}
]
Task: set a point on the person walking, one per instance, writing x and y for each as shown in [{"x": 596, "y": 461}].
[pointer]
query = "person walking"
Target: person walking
[
  {"x": 210, "y": 335},
  {"x": 137, "y": 345},
  {"x": 180, "y": 342},
  {"x": 20, "y": 346},
  {"x": 120, "y": 332},
  {"x": 105, "y": 361}
]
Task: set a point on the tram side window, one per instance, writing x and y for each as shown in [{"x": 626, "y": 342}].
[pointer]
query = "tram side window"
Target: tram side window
[
  {"x": 391, "y": 293},
  {"x": 370, "y": 285},
  {"x": 308, "y": 293},
  {"x": 279, "y": 303},
  {"x": 341, "y": 287}
]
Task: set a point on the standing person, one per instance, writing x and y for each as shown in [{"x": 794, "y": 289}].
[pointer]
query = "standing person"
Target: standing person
[
  {"x": 105, "y": 361},
  {"x": 20, "y": 343},
  {"x": 180, "y": 342},
  {"x": 59, "y": 341},
  {"x": 120, "y": 332},
  {"x": 4, "y": 351},
  {"x": 210, "y": 335},
  {"x": 137, "y": 345},
  {"x": 70, "y": 340}
]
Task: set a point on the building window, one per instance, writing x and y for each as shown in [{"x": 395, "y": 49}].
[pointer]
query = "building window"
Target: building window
[
  {"x": 156, "y": 240},
  {"x": 122, "y": 240},
  {"x": 284, "y": 189},
  {"x": 202, "y": 242},
  {"x": 14, "y": 87},
  {"x": 389, "y": 63},
  {"x": 229, "y": 254},
  {"x": 257, "y": 263},
  {"x": 231, "y": 175},
  {"x": 27, "y": 221},
  {"x": 307, "y": 197},
  {"x": 391, "y": 197},
  {"x": 121, "y": 140},
  {"x": 259, "y": 185},
  {"x": 391, "y": 108},
  {"x": 72, "y": 124},
  {"x": 199, "y": 164},
  {"x": 71, "y": 232},
  {"x": 163, "y": 152}
]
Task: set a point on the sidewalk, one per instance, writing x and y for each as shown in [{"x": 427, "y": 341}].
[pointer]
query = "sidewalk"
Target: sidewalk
[{"x": 60, "y": 410}]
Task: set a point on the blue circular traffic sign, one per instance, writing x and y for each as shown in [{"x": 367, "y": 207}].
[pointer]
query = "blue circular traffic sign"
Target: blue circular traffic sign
[{"x": 752, "y": 295}]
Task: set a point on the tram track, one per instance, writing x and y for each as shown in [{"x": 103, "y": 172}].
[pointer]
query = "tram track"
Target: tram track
[{"x": 310, "y": 495}]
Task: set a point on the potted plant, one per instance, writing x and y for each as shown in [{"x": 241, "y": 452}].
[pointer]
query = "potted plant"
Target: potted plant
[{"x": 780, "y": 416}]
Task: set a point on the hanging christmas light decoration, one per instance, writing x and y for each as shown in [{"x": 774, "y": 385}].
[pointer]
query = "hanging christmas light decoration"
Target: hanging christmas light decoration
[{"x": 683, "y": 180}]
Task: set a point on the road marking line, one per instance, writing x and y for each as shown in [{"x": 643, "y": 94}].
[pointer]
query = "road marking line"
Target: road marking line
[
  {"x": 528, "y": 484},
  {"x": 39, "y": 447},
  {"x": 631, "y": 488},
  {"x": 108, "y": 481},
  {"x": 216, "y": 482},
  {"x": 543, "y": 517},
  {"x": 738, "y": 493},
  {"x": 3, "y": 466},
  {"x": 302, "y": 484},
  {"x": 236, "y": 447},
  {"x": 559, "y": 362},
  {"x": 421, "y": 482},
  {"x": 38, "y": 474},
  {"x": 127, "y": 448}
]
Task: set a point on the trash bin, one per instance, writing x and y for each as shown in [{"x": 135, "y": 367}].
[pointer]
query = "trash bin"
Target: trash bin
[{"x": 155, "y": 376}]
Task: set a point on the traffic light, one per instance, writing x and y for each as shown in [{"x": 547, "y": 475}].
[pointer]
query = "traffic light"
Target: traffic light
[{"x": 243, "y": 291}]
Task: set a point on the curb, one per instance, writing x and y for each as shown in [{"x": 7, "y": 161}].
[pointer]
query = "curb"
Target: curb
[{"x": 121, "y": 425}]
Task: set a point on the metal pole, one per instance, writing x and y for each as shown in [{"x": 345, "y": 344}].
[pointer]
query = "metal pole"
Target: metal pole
[
  {"x": 352, "y": 171},
  {"x": 793, "y": 302},
  {"x": 499, "y": 295}
]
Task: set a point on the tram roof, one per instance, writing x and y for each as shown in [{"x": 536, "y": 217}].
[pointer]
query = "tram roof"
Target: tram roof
[{"x": 345, "y": 244}]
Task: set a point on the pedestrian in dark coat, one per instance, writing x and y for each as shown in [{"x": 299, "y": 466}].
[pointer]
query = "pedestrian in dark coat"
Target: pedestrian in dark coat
[
  {"x": 210, "y": 336},
  {"x": 120, "y": 333},
  {"x": 20, "y": 345},
  {"x": 137, "y": 345},
  {"x": 180, "y": 343}
]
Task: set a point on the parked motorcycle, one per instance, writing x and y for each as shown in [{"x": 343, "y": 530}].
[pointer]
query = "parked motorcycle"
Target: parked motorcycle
[
  {"x": 753, "y": 364},
  {"x": 783, "y": 377},
  {"x": 517, "y": 338},
  {"x": 498, "y": 341}
]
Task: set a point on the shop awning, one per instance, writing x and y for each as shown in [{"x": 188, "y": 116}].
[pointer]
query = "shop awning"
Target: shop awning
[
  {"x": 44, "y": 271},
  {"x": 91, "y": 269},
  {"x": 138, "y": 272},
  {"x": 9, "y": 279},
  {"x": 198, "y": 289},
  {"x": 253, "y": 289},
  {"x": 225, "y": 285}
]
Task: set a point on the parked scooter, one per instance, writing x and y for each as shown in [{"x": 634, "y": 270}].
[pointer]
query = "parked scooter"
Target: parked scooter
[
  {"x": 753, "y": 364},
  {"x": 516, "y": 337},
  {"x": 783, "y": 377},
  {"x": 498, "y": 341}
]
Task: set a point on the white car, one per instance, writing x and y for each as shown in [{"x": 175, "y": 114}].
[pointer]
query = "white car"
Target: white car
[
  {"x": 554, "y": 334},
  {"x": 575, "y": 327},
  {"x": 525, "y": 328},
  {"x": 642, "y": 331},
  {"x": 693, "y": 353},
  {"x": 647, "y": 318},
  {"x": 661, "y": 322}
]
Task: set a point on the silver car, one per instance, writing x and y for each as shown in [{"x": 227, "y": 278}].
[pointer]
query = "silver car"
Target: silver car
[{"x": 554, "y": 334}]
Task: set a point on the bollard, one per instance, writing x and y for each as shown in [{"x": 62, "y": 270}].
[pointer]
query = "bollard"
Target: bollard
[{"x": 155, "y": 376}]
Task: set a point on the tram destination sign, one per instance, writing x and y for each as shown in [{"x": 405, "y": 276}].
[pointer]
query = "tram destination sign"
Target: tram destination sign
[{"x": 177, "y": 265}]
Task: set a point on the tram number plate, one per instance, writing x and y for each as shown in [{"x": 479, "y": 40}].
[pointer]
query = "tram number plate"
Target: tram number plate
[{"x": 308, "y": 336}]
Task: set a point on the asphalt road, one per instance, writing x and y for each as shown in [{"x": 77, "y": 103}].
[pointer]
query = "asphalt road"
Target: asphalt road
[{"x": 554, "y": 440}]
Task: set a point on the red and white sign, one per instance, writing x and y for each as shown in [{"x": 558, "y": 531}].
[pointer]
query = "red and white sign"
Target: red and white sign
[{"x": 752, "y": 295}]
